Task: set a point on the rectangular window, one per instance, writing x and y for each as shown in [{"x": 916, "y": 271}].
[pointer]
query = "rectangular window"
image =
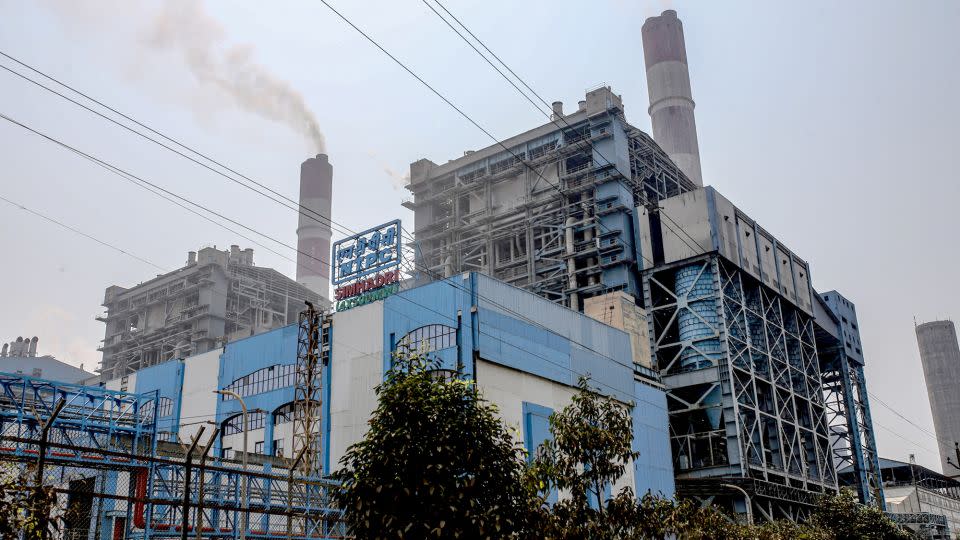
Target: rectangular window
[
  {"x": 227, "y": 453},
  {"x": 258, "y": 447},
  {"x": 278, "y": 447},
  {"x": 37, "y": 372}
]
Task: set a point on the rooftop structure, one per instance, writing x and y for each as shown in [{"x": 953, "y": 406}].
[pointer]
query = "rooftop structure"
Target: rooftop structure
[
  {"x": 216, "y": 297},
  {"x": 20, "y": 357},
  {"x": 940, "y": 356}
]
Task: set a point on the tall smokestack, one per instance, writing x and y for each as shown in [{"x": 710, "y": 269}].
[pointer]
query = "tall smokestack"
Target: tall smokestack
[
  {"x": 671, "y": 102},
  {"x": 313, "y": 232},
  {"x": 940, "y": 357}
]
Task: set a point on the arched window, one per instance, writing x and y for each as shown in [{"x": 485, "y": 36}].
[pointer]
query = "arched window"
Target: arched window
[
  {"x": 430, "y": 338},
  {"x": 263, "y": 380},
  {"x": 156, "y": 409},
  {"x": 234, "y": 424},
  {"x": 283, "y": 414}
]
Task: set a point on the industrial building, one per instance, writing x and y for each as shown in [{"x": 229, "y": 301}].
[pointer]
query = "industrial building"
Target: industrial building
[
  {"x": 218, "y": 296},
  {"x": 524, "y": 352},
  {"x": 940, "y": 356},
  {"x": 221, "y": 295},
  {"x": 764, "y": 376},
  {"x": 924, "y": 501},
  {"x": 20, "y": 356}
]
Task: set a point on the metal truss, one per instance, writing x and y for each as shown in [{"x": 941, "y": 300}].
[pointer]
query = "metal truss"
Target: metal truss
[
  {"x": 851, "y": 426},
  {"x": 313, "y": 349},
  {"x": 924, "y": 524},
  {"x": 549, "y": 238},
  {"x": 91, "y": 416},
  {"x": 744, "y": 386}
]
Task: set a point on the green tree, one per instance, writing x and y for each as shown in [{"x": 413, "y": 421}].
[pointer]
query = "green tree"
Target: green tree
[
  {"x": 847, "y": 519},
  {"x": 589, "y": 452},
  {"x": 436, "y": 462}
]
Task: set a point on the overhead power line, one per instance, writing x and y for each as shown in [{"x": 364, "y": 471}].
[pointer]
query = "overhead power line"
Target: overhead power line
[
  {"x": 264, "y": 190},
  {"x": 81, "y": 233},
  {"x": 561, "y": 118}
]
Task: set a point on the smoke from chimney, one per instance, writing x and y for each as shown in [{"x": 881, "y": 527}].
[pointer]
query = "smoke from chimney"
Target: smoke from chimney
[{"x": 184, "y": 28}]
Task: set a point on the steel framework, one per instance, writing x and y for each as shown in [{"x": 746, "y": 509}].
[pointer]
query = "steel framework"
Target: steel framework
[
  {"x": 554, "y": 213},
  {"x": 744, "y": 386},
  {"x": 313, "y": 355}
]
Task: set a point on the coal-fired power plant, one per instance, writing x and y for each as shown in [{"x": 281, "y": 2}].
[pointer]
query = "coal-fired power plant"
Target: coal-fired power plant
[
  {"x": 313, "y": 232},
  {"x": 671, "y": 101}
]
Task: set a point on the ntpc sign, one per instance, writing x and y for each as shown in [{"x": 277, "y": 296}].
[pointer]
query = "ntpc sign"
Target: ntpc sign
[{"x": 366, "y": 253}]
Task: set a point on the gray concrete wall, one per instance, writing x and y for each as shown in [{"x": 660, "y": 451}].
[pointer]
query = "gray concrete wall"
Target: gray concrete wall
[{"x": 940, "y": 356}]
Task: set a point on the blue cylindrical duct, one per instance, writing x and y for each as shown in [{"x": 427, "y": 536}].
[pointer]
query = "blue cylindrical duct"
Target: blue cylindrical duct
[{"x": 697, "y": 321}]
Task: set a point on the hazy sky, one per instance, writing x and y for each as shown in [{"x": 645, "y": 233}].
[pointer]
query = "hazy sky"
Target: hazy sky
[{"x": 831, "y": 123}]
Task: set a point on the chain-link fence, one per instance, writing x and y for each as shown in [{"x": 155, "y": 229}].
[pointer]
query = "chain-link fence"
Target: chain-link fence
[{"x": 91, "y": 493}]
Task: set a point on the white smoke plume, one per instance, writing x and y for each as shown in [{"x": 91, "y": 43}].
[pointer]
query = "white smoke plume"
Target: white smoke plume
[
  {"x": 184, "y": 29},
  {"x": 397, "y": 180}
]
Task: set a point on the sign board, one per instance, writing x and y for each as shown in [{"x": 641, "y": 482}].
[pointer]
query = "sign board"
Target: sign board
[
  {"x": 366, "y": 266},
  {"x": 369, "y": 252}
]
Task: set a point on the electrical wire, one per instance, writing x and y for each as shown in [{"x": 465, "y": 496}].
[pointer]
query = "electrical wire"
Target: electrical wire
[
  {"x": 453, "y": 319},
  {"x": 272, "y": 194},
  {"x": 552, "y": 120},
  {"x": 128, "y": 175},
  {"x": 81, "y": 233}
]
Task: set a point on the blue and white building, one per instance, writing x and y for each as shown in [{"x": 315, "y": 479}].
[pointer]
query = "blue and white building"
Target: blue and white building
[{"x": 525, "y": 353}]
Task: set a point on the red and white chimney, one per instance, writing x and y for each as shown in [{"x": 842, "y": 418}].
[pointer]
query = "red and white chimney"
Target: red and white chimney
[{"x": 313, "y": 232}]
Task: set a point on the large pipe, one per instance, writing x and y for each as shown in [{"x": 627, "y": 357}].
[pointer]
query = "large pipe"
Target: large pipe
[
  {"x": 671, "y": 101},
  {"x": 313, "y": 232},
  {"x": 33, "y": 346}
]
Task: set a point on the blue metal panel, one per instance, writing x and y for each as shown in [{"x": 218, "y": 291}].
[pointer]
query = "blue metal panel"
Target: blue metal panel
[
  {"x": 653, "y": 469},
  {"x": 248, "y": 355},
  {"x": 167, "y": 380},
  {"x": 536, "y": 430}
]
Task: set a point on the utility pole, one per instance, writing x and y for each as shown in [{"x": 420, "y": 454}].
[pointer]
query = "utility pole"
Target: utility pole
[{"x": 40, "y": 516}]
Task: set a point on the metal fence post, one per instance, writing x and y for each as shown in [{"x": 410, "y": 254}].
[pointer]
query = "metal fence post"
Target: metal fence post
[
  {"x": 203, "y": 463},
  {"x": 40, "y": 514},
  {"x": 293, "y": 467},
  {"x": 186, "y": 483}
]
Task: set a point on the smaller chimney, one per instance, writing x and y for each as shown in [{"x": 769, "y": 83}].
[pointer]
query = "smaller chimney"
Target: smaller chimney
[
  {"x": 557, "y": 110},
  {"x": 3, "y": 351},
  {"x": 33, "y": 347},
  {"x": 582, "y": 105},
  {"x": 191, "y": 257},
  {"x": 19, "y": 346}
]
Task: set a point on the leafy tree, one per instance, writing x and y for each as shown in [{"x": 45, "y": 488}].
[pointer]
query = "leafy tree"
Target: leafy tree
[
  {"x": 847, "y": 519},
  {"x": 437, "y": 462},
  {"x": 589, "y": 452}
]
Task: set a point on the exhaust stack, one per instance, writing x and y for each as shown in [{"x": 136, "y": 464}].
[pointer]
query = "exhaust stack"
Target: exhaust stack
[
  {"x": 671, "y": 101},
  {"x": 313, "y": 232}
]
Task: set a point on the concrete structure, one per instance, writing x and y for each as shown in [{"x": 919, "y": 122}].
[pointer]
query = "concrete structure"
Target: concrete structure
[
  {"x": 940, "y": 356},
  {"x": 313, "y": 231},
  {"x": 524, "y": 352},
  {"x": 918, "y": 498},
  {"x": 20, "y": 357},
  {"x": 217, "y": 296},
  {"x": 671, "y": 101},
  {"x": 552, "y": 210}
]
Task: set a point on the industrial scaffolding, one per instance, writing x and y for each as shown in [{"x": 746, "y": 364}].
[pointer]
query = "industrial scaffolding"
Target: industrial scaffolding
[
  {"x": 218, "y": 296},
  {"x": 553, "y": 213},
  {"x": 745, "y": 400}
]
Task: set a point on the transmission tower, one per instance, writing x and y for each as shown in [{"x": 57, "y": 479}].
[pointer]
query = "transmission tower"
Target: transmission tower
[{"x": 312, "y": 356}]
